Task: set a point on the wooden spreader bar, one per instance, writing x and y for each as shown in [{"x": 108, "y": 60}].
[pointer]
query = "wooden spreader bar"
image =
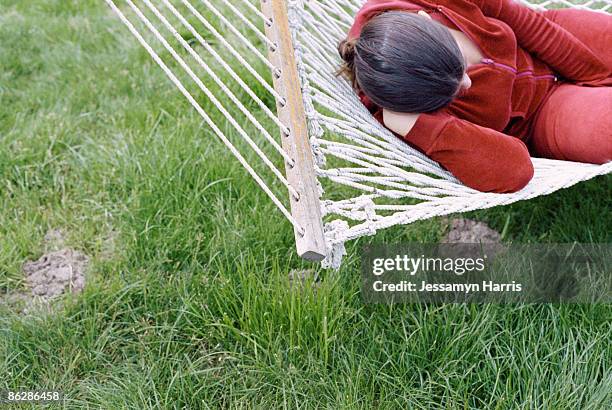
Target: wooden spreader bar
[{"x": 306, "y": 208}]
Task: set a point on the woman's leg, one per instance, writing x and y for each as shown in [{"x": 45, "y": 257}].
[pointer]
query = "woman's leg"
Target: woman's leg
[
  {"x": 592, "y": 28},
  {"x": 575, "y": 124}
]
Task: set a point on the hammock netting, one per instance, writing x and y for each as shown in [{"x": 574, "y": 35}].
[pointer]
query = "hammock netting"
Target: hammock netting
[{"x": 214, "y": 52}]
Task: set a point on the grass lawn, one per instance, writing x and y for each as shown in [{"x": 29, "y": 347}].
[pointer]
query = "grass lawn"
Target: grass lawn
[{"x": 188, "y": 302}]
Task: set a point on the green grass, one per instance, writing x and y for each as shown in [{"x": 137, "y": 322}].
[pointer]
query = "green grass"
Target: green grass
[{"x": 188, "y": 302}]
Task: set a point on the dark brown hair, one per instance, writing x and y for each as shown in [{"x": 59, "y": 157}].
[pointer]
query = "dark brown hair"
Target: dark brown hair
[{"x": 404, "y": 62}]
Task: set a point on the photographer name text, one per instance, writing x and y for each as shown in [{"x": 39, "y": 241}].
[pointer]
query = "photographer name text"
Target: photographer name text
[{"x": 485, "y": 286}]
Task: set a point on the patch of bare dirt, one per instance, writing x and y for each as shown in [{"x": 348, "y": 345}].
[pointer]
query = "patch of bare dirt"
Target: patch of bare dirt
[
  {"x": 60, "y": 270},
  {"x": 464, "y": 233},
  {"x": 470, "y": 231},
  {"x": 56, "y": 273}
]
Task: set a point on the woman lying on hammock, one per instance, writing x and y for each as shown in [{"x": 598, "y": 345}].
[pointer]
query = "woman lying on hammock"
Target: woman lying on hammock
[{"x": 473, "y": 83}]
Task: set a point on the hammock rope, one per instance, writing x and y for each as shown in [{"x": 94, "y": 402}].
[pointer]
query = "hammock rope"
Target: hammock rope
[
  {"x": 199, "y": 108},
  {"x": 367, "y": 178}
]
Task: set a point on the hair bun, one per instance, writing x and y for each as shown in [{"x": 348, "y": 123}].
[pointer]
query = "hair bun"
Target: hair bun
[{"x": 346, "y": 49}]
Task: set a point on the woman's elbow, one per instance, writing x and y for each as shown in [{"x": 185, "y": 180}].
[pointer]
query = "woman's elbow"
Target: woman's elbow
[
  {"x": 513, "y": 177},
  {"x": 501, "y": 164},
  {"x": 502, "y": 177},
  {"x": 518, "y": 178}
]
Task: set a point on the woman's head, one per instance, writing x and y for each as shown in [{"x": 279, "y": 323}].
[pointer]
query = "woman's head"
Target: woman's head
[{"x": 404, "y": 62}]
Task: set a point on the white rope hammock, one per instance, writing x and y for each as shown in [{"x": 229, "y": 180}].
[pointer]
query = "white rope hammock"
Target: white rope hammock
[{"x": 357, "y": 174}]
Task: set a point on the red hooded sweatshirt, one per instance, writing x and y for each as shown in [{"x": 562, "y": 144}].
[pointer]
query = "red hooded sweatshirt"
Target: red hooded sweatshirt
[{"x": 480, "y": 136}]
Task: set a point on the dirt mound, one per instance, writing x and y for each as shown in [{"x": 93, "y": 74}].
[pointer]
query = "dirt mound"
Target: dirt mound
[
  {"x": 61, "y": 270},
  {"x": 56, "y": 273},
  {"x": 469, "y": 231}
]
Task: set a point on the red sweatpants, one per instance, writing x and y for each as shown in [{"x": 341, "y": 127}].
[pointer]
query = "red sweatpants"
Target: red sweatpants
[{"x": 575, "y": 122}]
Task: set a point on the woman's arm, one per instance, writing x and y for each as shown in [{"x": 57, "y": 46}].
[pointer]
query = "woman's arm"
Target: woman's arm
[
  {"x": 550, "y": 42},
  {"x": 399, "y": 122},
  {"x": 479, "y": 157}
]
